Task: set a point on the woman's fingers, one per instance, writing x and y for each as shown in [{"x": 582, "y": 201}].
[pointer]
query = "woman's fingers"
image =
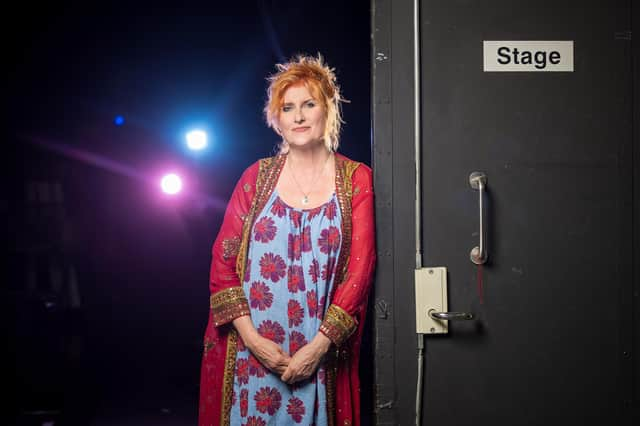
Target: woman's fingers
[
  {"x": 286, "y": 376},
  {"x": 302, "y": 364},
  {"x": 271, "y": 355},
  {"x": 293, "y": 374},
  {"x": 278, "y": 364}
]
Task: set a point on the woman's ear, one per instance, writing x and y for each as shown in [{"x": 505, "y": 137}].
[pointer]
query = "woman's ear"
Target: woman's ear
[{"x": 276, "y": 127}]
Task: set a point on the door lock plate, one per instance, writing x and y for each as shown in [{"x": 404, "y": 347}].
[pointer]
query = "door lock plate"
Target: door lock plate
[{"x": 431, "y": 296}]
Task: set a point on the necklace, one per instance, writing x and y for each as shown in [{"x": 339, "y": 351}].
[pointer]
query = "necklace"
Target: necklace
[{"x": 305, "y": 195}]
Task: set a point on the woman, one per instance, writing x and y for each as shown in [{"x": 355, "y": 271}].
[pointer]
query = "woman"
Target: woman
[{"x": 291, "y": 270}]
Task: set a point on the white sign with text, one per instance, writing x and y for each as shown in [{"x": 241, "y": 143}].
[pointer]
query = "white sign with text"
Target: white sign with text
[{"x": 528, "y": 56}]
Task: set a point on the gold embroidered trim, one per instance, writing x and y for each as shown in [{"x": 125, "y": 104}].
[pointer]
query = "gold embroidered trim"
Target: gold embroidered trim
[
  {"x": 228, "y": 304},
  {"x": 227, "y": 380},
  {"x": 227, "y": 296},
  {"x": 230, "y": 247},
  {"x": 331, "y": 371},
  {"x": 272, "y": 166},
  {"x": 344, "y": 173},
  {"x": 268, "y": 173},
  {"x": 338, "y": 325}
]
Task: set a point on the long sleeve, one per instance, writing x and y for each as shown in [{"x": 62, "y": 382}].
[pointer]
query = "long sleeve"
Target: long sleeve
[
  {"x": 350, "y": 298},
  {"x": 228, "y": 300}
]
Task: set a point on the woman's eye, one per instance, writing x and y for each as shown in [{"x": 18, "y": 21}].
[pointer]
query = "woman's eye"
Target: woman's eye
[
  {"x": 311, "y": 104},
  {"x": 286, "y": 108}
]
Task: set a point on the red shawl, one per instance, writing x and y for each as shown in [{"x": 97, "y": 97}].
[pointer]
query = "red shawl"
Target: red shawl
[{"x": 344, "y": 320}]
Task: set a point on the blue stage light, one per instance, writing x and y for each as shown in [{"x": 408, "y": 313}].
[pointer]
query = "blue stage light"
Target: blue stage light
[
  {"x": 118, "y": 120},
  {"x": 197, "y": 140}
]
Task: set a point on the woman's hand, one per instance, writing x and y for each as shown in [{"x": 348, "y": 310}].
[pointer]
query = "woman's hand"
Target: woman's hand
[
  {"x": 269, "y": 353},
  {"x": 305, "y": 362}
]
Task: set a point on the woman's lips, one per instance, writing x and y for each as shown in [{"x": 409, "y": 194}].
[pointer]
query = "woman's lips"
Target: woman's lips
[{"x": 300, "y": 129}]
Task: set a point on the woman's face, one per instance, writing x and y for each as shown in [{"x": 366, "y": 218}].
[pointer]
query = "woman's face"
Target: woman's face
[{"x": 302, "y": 118}]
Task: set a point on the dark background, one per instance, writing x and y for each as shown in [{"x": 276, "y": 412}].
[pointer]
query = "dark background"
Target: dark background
[{"x": 105, "y": 288}]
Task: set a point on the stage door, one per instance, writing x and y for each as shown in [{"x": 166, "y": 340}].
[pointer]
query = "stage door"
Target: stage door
[{"x": 537, "y": 96}]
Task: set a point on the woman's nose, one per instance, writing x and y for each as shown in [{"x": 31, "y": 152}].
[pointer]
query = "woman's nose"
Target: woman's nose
[{"x": 299, "y": 118}]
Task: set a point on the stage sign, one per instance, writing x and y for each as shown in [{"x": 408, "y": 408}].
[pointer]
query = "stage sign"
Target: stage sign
[{"x": 528, "y": 56}]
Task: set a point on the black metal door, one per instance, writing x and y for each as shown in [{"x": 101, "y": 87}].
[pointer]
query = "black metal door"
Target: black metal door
[{"x": 552, "y": 342}]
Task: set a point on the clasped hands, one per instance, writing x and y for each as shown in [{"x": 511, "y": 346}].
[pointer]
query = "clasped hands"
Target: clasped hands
[
  {"x": 291, "y": 369},
  {"x": 302, "y": 365}
]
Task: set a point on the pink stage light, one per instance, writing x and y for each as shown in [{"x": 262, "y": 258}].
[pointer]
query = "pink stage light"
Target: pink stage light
[{"x": 171, "y": 184}]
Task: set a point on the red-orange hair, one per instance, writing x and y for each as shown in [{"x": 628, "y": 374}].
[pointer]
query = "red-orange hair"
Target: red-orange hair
[{"x": 320, "y": 80}]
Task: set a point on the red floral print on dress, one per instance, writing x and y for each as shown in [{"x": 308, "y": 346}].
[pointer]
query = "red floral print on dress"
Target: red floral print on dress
[
  {"x": 242, "y": 371},
  {"x": 295, "y": 280},
  {"x": 256, "y": 368},
  {"x": 268, "y": 400},
  {"x": 295, "y": 249},
  {"x": 295, "y": 313},
  {"x": 330, "y": 211},
  {"x": 271, "y": 330},
  {"x": 296, "y": 409},
  {"x": 329, "y": 240},
  {"x": 315, "y": 212},
  {"x": 272, "y": 267},
  {"x": 244, "y": 402},
  {"x": 265, "y": 230},
  {"x": 328, "y": 269},
  {"x": 279, "y": 208},
  {"x": 296, "y": 217},
  {"x": 247, "y": 271},
  {"x": 254, "y": 421},
  {"x": 314, "y": 270},
  {"x": 241, "y": 345},
  {"x": 306, "y": 239},
  {"x": 312, "y": 303},
  {"x": 296, "y": 341},
  {"x": 260, "y": 296}
]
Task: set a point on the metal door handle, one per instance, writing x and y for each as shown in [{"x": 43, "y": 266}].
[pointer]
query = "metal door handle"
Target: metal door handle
[
  {"x": 450, "y": 316},
  {"x": 478, "y": 180}
]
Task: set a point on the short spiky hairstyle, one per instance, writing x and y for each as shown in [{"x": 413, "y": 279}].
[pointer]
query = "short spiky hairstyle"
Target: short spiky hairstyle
[{"x": 320, "y": 80}]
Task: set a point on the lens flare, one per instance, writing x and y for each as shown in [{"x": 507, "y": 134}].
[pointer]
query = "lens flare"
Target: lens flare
[
  {"x": 196, "y": 140},
  {"x": 171, "y": 184}
]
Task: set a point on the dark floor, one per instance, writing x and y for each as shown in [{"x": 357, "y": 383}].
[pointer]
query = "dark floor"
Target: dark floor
[{"x": 125, "y": 410}]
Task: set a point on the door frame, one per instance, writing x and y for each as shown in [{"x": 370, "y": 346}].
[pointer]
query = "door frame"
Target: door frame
[{"x": 394, "y": 346}]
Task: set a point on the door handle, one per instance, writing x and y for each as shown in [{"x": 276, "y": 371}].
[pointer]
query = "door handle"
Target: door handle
[
  {"x": 450, "y": 316},
  {"x": 478, "y": 180}
]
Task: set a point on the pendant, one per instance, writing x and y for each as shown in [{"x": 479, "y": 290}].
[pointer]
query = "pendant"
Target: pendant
[{"x": 305, "y": 200}]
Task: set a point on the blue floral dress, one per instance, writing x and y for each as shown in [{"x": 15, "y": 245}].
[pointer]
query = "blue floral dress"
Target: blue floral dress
[{"x": 289, "y": 275}]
